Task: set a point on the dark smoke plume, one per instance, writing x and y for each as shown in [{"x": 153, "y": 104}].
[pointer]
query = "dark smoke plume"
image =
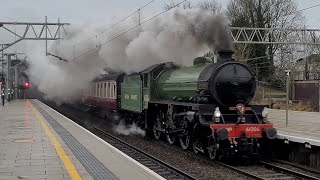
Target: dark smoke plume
[
  {"x": 209, "y": 29},
  {"x": 178, "y": 36}
]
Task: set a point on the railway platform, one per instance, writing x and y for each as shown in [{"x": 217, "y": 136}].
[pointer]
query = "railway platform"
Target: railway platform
[
  {"x": 303, "y": 127},
  {"x": 36, "y": 142}
]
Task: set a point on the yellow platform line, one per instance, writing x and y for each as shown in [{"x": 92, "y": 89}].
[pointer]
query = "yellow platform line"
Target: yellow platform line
[{"x": 62, "y": 155}]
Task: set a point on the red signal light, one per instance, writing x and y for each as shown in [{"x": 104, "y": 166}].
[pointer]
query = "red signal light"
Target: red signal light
[{"x": 27, "y": 84}]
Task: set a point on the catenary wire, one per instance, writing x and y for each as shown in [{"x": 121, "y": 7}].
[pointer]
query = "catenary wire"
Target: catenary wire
[
  {"x": 115, "y": 24},
  {"x": 121, "y": 34},
  {"x": 108, "y": 41}
]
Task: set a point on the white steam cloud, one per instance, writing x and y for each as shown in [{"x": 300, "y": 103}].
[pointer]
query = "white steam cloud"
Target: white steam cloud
[
  {"x": 179, "y": 36},
  {"x": 132, "y": 129}
]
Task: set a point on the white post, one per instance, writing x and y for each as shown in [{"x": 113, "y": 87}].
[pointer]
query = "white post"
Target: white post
[
  {"x": 8, "y": 77},
  {"x": 287, "y": 92},
  {"x": 46, "y": 28},
  {"x": 15, "y": 82}
]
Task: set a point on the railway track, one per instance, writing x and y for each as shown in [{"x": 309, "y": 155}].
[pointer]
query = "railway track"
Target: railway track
[
  {"x": 163, "y": 169},
  {"x": 265, "y": 170},
  {"x": 260, "y": 170},
  {"x": 297, "y": 167},
  {"x": 300, "y": 173}
]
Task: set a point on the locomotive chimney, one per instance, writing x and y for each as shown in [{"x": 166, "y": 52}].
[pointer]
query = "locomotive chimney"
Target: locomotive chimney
[{"x": 225, "y": 55}]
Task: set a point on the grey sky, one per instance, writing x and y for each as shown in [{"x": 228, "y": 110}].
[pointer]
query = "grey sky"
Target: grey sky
[
  {"x": 72, "y": 10},
  {"x": 80, "y": 10},
  {"x": 105, "y": 11}
]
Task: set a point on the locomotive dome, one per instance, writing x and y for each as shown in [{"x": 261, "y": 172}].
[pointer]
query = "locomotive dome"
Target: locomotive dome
[{"x": 201, "y": 60}]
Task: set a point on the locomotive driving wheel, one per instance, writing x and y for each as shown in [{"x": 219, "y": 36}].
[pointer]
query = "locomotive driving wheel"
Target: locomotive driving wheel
[
  {"x": 212, "y": 151},
  {"x": 171, "y": 138},
  {"x": 185, "y": 137},
  {"x": 185, "y": 141},
  {"x": 156, "y": 127},
  {"x": 197, "y": 147},
  {"x": 156, "y": 133}
]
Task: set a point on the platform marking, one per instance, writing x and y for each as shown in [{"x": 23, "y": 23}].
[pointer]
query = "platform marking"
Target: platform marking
[
  {"x": 63, "y": 156},
  {"x": 117, "y": 151}
]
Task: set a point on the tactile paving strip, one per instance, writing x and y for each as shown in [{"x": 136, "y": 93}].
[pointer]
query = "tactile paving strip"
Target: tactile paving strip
[{"x": 93, "y": 166}]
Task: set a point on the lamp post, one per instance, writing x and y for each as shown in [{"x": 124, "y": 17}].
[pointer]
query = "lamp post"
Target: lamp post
[{"x": 288, "y": 72}]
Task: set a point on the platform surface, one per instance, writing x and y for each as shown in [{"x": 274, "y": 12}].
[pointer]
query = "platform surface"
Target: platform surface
[
  {"x": 37, "y": 142},
  {"x": 303, "y": 127}
]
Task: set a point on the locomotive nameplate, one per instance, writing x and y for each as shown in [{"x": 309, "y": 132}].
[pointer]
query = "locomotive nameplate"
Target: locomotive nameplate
[
  {"x": 126, "y": 96},
  {"x": 132, "y": 97}
]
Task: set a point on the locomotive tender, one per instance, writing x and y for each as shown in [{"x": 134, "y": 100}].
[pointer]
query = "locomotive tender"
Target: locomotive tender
[{"x": 204, "y": 107}]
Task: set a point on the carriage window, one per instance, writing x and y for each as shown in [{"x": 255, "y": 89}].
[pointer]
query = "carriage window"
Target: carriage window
[
  {"x": 111, "y": 91},
  {"x": 105, "y": 90},
  {"x": 101, "y": 89},
  {"x": 98, "y": 93},
  {"x": 108, "y": 90},
  {"x": 94, "y": 90},
  {"x": 114, "y": 91},
  {"x": 98, "y": 90}
]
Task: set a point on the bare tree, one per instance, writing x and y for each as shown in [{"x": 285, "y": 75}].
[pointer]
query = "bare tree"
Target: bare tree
[
  {"x": 186, "y": 5},
  {"x": 211, "y": 5},
  {"x": 263, "y": 14}
]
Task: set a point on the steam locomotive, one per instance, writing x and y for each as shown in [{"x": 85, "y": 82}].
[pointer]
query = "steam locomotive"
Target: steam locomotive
[{"x": 204, "y": 107}]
